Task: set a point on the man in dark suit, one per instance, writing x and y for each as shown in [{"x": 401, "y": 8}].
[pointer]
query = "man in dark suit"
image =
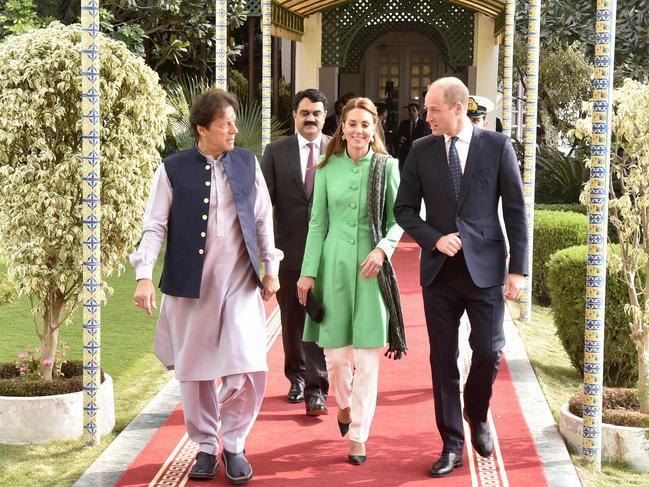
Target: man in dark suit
[
  {"x": 332, "y": 121},
  {"x": 289, "y": 169},
  {"x": 410, "y": 130},
  {"x": 462, "y": 172},
  {"x": 386, "y": 127}
]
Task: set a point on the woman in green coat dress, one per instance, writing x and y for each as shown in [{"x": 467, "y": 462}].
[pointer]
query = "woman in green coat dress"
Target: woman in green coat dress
[{"x": 341, "y": 265}]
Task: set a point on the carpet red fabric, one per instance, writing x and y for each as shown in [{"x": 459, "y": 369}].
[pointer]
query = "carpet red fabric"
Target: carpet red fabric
[{"x": 286, "y": 448}]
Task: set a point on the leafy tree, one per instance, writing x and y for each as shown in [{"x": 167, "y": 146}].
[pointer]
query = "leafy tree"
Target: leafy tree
[
  {"x": 173, "y": 36},
  {"x": 40, "y": 182}
]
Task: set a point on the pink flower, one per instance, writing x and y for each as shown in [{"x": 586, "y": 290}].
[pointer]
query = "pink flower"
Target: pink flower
[
  {"x": 47, "y": 362},
  {"x": 21, "y": 355},
  {"x": 22, "y": 370}
]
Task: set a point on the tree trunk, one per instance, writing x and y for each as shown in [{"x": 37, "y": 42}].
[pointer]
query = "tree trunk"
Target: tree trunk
[
  {"x": 52, "y": 321},
  {"x": 643, "y": 372}
]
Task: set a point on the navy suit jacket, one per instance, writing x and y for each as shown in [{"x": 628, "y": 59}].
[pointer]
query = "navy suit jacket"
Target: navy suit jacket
[{"x": 491, "y": 174}]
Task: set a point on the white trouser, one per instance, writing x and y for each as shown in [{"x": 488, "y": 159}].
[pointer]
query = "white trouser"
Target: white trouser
[
  {"x": 355, "y": 387},
  {"x": 235, "y": 405}
]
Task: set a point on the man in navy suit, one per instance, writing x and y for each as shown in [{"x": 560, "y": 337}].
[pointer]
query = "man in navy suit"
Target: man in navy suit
[{"x": 462, "y": 172}]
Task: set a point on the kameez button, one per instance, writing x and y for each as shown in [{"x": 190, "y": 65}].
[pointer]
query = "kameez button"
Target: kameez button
[
  {"x": 206, "y": 200},
  {"x": 201, "y": 251},
  {"x": 207, "y": 183},
  {"x": 207, "y": 167},
  {"x": 352, "y": 205},
  {"x": 204, "y": 217},
  {"x": 203, "y": 234}
]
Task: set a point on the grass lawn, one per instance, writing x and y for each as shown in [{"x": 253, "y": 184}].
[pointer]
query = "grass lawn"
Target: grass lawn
[
  {"x": 126, "y": 354},
  {"x": 559, "y": 380}
]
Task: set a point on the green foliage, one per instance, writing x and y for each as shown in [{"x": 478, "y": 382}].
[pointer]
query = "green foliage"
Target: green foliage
[
  {"x": 20, "y": 16},
  {"x": 40, "y": 180},
  {"x": 553, "y": 230},
  {"x": 560, "y": 177},
  {"x": 573, "y": 207},
  {"x": 7, "y": 290},
  {"x": 182, "y": 95},
  {"x": 567, "y": 284},
  {"x": 171, "y": 35},
  {"x": 568, "y": 21}
]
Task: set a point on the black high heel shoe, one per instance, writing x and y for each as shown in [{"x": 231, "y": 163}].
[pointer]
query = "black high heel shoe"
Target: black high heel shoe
[
  {"x": 343, "y": 427},
  {"x": 356, "y": 459}
]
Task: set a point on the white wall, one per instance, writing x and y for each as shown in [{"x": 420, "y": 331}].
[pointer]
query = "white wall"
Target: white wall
[
  {"x": 308, "y": 54},
  {"x": 483, "y": 76}
]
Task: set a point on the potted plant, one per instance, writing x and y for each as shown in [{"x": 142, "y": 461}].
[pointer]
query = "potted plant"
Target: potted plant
[{"x": 40, "y": 178}]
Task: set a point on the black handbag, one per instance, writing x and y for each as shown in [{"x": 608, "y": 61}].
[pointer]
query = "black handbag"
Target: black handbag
[{"x": 314, "y": 307}]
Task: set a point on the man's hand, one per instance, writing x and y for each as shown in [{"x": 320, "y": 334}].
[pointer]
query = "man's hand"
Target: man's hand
[
  {"x": 449, "y": 244},
  {"x": 271, "y": 286},
  {"x": 372, "y": 264},
  {"x": 514, "y": 286},
  {"x": 304, "y": 284},
  {"x": 145, "y": 295}
]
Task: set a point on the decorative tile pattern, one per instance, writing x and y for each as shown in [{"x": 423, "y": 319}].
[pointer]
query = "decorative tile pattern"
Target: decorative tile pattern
[
  {"x": 91, "y": 216},
  {"x": 529, "y": 139},
  {"x": 221, "y": 45},
  {"x": 266, "y": 73},
  {"x": 597, "y": 228},
  {"x": 508, "y": 66}
]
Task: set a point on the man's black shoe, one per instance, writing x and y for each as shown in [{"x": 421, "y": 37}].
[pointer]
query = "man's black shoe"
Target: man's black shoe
[
  {"x": 205, "y": 467},
  {"x": 296, "y": 392},
  {"x": 446, "y": 464},
  {"x": 237, "y": 469},
  {"x": 315, "y": 406},
  {"x": 481, "y": 438}
]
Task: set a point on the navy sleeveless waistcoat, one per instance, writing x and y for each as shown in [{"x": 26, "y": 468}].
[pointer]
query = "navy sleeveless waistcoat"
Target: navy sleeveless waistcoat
[{"x": 190, "y": 177}]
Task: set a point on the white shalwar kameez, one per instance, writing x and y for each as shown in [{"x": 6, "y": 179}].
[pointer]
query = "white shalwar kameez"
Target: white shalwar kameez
[{"x": 223, "y": 333}]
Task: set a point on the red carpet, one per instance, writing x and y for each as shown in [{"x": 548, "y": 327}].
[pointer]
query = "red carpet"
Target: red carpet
[{"x": 287, "y": 448}]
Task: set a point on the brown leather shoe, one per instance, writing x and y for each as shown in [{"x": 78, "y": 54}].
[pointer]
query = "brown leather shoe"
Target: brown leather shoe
[{"x": 315, "y": 406}]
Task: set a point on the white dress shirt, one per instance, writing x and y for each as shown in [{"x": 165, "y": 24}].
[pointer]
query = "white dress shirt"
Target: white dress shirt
[
  {"x": 304, "y": 151},
  {"x": 463, "y": 142}
]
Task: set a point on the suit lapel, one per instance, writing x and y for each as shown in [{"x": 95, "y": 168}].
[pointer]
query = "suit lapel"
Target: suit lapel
[
  {"x": 293, "y": 161},
  {"x": 441, "y": 162},
  {"x": 471, "y": 163}
]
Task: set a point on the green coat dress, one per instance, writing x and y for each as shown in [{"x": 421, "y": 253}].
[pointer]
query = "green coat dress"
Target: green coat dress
[{"x": 338, "y": 241}]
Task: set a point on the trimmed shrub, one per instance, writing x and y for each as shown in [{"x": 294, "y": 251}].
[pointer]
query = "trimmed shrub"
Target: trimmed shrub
[
  {"x": 567, "y": 284},
  {"x": 573, "y": 207},
  {"x": 553, "y": 230},
  {"x": 12, "y": 384},
  {"x": 620, "y": 407}
]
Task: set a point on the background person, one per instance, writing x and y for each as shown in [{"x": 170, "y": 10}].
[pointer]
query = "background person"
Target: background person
[
  {"x": 341, "y": 264},
  {"x": 212, "y": 206},
  {"x": 289, "y": 167},
  {"x": 410, "y": 130}
]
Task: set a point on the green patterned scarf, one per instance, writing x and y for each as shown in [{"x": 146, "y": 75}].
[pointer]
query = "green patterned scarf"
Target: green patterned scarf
[{"x": 387, "y": 277}]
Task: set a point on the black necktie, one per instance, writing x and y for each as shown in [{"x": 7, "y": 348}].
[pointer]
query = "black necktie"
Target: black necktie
[{"x": 455, "y": 168}]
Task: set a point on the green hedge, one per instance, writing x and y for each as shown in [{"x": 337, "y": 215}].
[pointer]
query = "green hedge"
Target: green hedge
[
  {"x": 573, "y": 207},
  {"x": 567, "y": 284},
  {"x": 553, "y": 230},
  {"x": 7, "y": 289}
]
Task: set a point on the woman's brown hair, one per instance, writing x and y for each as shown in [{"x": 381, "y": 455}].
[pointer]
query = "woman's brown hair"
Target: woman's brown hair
[{"x": 337, "y": 144}]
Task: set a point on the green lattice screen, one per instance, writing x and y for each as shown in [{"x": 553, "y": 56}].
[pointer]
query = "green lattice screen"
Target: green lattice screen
[{"x": 348, "y": 31}]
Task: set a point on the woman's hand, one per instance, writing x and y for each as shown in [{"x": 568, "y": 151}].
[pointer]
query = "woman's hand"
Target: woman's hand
[
  {"x": 145, "y": 295},
  {"x": 271, "y": 286},
  {"x": 304, "y": 284},
  {"x": 372, "y": 264}
]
